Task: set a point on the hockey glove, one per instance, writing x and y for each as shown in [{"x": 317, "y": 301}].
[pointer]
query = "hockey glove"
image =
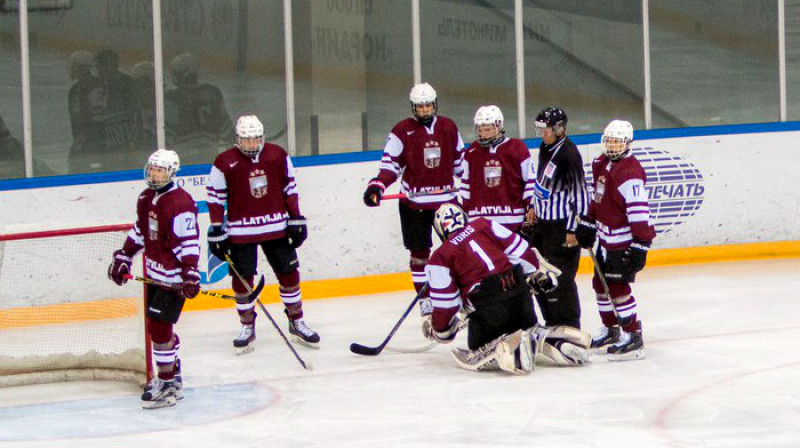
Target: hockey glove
[
  {"x": 543, "y": 281},
  {"x": 635, "y": 256},
  {"x": 120, "y": 267},
  {"x": 374, "y": 193},
  {"x": 445, "y": 336},
  {"x": 297, "y": 231},
  {"x": 586, "y": 233},
  {"x": 190, "y": 287},
  {"x": 218, "y": 241}
]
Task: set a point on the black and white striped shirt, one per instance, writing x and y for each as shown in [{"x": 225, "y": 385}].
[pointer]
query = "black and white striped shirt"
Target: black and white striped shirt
[{"x": 560, "y": 192}]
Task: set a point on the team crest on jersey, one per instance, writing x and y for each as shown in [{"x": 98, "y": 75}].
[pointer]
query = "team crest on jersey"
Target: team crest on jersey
[
  {"x": 492, "y": 173},
  {"x": 258, "y": 183},
  {"x": 432, "y": 154},
  {"x": 152, "y": 226},
  {"x": 601, "y": 189}
]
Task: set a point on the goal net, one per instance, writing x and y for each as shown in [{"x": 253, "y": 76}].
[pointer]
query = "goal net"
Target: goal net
[{"x": 61, "y": 318}]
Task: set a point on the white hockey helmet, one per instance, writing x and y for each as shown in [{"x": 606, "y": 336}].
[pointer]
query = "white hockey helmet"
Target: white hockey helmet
[
  {"x": 249, "y": 135},
  {"x": 449, "y": 219},
  {"x": 489, "y": 125},
  {"x": 422, "y": 94},
  {"x": 617, "y": 139},
  {"x": 161, "y": 168}
]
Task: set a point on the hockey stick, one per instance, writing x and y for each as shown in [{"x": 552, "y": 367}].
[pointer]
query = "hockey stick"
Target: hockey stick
[
  {"x": 418, "y": 194},
  {"x": 306, "y": 365},
  {"x": 599, "y": 273},
  {"x": 150, "y": 281},
  {"x": 423, "y": 349},
  {"x": 372, "y": 351}
]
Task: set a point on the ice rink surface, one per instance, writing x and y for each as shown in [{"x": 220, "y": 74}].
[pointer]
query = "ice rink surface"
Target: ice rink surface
[{"x": 722, "y": 370}]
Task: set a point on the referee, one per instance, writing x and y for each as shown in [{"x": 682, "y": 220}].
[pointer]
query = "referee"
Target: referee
[{"x": 560, "y": 198}]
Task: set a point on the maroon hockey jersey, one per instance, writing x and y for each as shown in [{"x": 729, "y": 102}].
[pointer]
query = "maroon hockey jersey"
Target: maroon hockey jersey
[
  {"x": 483, "y": 248},
  {"x": 261, "y": 194},
  {"x": 619, "y": 203},
  {"x": 497, "y": 182},
  {"x": 166, "y": 226},
  {"x": 425, "y": 159}
]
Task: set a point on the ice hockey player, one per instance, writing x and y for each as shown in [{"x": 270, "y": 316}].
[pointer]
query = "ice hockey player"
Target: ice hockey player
[
  {"x": 425, "y": 152},
  {"x": 256, "y": 181},
  {"x": 619, "y": 213},
  {"x": 166, "y": 227},
  {"x": 488, "y": 272},
  {"x": 497, "y": 181}
]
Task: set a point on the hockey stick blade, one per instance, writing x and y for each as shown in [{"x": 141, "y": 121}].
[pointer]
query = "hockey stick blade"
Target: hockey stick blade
[
  {"x": 360, "y": 349},
  {"x": 422, "y": 349}
]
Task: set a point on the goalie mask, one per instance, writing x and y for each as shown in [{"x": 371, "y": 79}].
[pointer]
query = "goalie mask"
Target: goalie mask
[
  {"x": 617, "y": 139},
  {"x": 449, "y": 219},
  {"x": 249, "y": 135},
  {"x": 553, "y": 118},
  {"x": 424, "y": 103},
  {"x": 161, "y": 168},
  {"x": 489, "y": 123}
]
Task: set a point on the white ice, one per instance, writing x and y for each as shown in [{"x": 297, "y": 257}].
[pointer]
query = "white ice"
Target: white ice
[{"x": 722, "y": 370}]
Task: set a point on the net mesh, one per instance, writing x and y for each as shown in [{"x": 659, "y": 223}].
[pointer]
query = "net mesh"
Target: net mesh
[{"x": 60, "y": 316}]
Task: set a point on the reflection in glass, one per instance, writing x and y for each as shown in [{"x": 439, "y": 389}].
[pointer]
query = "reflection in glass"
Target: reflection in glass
[
  {"x": 468, "y": 55},
  {"x": 221, "y": 60},
  {"x": 87, "y": 112},
  {"x": 712, "y": 64},
  {"x": 586, "y": 58},
  {"x": 12, "y": 163},
  {"x": 196, "y": 121},
  {"x": 353, "y": 73}
]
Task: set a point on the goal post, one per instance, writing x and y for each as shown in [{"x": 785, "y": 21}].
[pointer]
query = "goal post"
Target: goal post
[{"x": 61, "y": 318}]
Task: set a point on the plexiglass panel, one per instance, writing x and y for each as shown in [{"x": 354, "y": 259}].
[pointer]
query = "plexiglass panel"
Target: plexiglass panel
[
  {"x": 468, "y": 56},
  {"x": 714, "y": 62},
  {"x": 91, "y": 86},
  {"x": 221, "y": 60},
  {"x": 587, "y": 58},
  {"x": 11, "y": 152},
  {"x": 792, "y": 15},
  {"x": 353, "y": 72}
]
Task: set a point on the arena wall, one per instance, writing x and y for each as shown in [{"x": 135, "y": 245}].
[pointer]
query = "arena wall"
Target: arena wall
[{"x": 722, "y": 192}]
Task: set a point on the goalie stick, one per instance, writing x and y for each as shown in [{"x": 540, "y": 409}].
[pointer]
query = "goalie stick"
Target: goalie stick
[
  {"x": 372, "y": 351},
  {"x": 418, "y": 194},
  {"x": 306, "y": 365},
  {"x": 254, "y": 293}
]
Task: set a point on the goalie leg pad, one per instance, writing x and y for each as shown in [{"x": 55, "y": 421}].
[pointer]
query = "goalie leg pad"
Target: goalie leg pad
[
  {"x": 512, "y": 353},
  {"x": 562, "y": 345},
  {"x": 571, "y": 335},
  {"x": 563, "y": 353}
]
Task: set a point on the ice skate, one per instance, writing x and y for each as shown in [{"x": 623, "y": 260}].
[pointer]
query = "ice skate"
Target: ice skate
[
  {"x": 604, "y": 338},
  {"x": 302, "y": 334},
  {"x": 245, "y": 342},
  {"x": 159, "y": 394},
  {"x": 629, "y": 348}
]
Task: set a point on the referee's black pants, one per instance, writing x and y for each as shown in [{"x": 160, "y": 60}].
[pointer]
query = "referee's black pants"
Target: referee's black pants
[{"x": 562, "y": 305}]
